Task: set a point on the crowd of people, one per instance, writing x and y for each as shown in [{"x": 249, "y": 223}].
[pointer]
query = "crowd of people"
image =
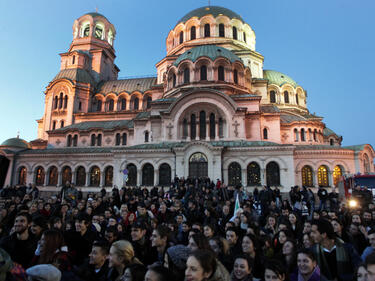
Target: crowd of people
[{"x": 189, "y": 231}]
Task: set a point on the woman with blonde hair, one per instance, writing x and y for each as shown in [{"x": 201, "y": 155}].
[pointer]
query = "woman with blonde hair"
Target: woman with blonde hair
[{"x": 121, "y": 255}]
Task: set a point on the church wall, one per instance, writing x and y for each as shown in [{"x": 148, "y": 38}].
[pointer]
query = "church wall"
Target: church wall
[
  {"x": 272, "y": 124},
  {"x": 252, "y": 126}
]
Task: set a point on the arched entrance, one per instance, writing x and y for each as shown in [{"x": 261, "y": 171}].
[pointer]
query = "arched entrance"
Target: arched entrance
[
  {"x": 4, "y": 165},
  {"x": 198, "y": 165}
]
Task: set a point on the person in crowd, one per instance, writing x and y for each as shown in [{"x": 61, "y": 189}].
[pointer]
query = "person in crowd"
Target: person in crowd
[
  {"x": 307, "y": 270},
  {"x": 220, "y": 247},
  {"x": 360, "y": 273},
  {"x": 21, "y": 244},
  {"x": 134, "y": 272},
  {"x": 370, "y": 267},
  {"x": 289, "y": 257},
  {"x": 201, "y": 266},
  {"x": 250, "y": 247},
  {"x": 45, "y": 272},
  {"x": 141, "y": 244},
  {"x": 242, "y": 269},
  {"x": 335, "y": 258},
  {"x": 37, "y": 226},
  {"x": 158, "y": 273},
  {"x": 274, "y": 271},
  {"x": 159, "y": 240},
  {"x": 371, "y": 248},
  {"x": 121, "y": 255},
  {"x": 51, "y": 242}
]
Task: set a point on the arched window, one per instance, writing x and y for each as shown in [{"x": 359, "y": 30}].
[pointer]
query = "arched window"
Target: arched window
[
  {"x": 148, "y": 101},
  {"x": 184, "y": 128},
  {"x": 54, "y": 125},
  {"x": 55, "y": 102},
  {"x": 212, "y": 126},
  {"x": 93, "y": 140},
  {"x": 123, "y": 104},
  {"x": 192, "y": 33},
  {"x": 273, "y": 174},
  {"x": 297, "y": 101},
  {"x": 81, "y": 176},
  {"x": 86, "y": 31},
  {"x": 165, "y": 175},
  {"x": 310, "y": 135},
  {"x": 207, "y": 30},
  {"x": 22, "y": 174},
  {"x": 98, "y": 32},
  {"x": 286, "y": 97},
  {"x": 244, "y": 37},
  {"x": 193, "y": 127},
  {"x": 73, "y": 59},
  {"x": 118, "y": 139},
  {"x": 95, "y": 176},
  {"x": 132, "y": 175},
  {"x": 108, "y": 176},
  {"x": 136, "y": 104},
  {"x": 221, "y": 128},
  {"x": 234, "y": 174},
  {"x": 265, "y": 134},
  {"x": 202, "y": 125},
  {"x": 307, "y": 176},
  {"x": 203, "y": 72},
  {"x": 61, "y": 101},
  {"x": 221, "y": 30},
  {"x": 186, "y": 75},
  {"x": 337, "y": 174},
  {"x": 65, "y": 102},
  {"x": 80, "y": 106},
  {"x": 315, "y": 132},
  {"x": 181, "y": 37},
  {"x": 62, "y": 124},
  {"x": 323, "y": 176},
  {"x": 253, "y": 174},
  {"x": 69, "y": 141},
  {"x": 75, "y": 140},
  {"x": 66, "y": 175},
  {"x": 53, "y": 176},
  {"x": 303, "y": 137},
  {"x": 235, "y": 33},
  {"x": 148, "y": 175},
  {"x": 124, "y": 139},
  {"x": 99, "y": 106},
  {"x": 99, "y": 140},
  {"x": 111, "y": 104},
  {"x": 272, "y": 97},
  {"x": 198, "y": 165},
  {"x": 221, "y": 75},
  {"x": 174, "y": 80},
  {"x": 146, "y": 136},
  {"x": 296, "y": 135},
  {"x": 331, "y": 142},
  {"x": 235, "y": 76},
  {"x": 39, "y": 176}
]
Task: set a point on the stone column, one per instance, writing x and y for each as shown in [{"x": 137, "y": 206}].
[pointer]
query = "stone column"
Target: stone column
[
  {"x": 102, "y": 177},
  {"x": 197, "y": 131},
  {"x": 188, "y": 137},
  {"x": 207, "y": 131},
  {"x": 156, "y": 177},
  {"x": 139, "y": 178},
  {"x": 87, "y": 179},
  {"x": 244, "y": 177},
  {"x": 217, "y": 136},
  {"x": 262, "y": 176},
  {"x": 59, "y": 178}
]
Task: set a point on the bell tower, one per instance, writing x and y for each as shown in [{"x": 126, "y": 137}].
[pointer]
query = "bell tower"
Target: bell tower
[{"x": 92, "y": 47}]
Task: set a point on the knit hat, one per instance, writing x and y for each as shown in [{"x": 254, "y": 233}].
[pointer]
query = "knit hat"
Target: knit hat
[
  {"x": 178, "y": 255},
  {"x": 44, "y": 272},
  {"x": 5, "y": 264}
]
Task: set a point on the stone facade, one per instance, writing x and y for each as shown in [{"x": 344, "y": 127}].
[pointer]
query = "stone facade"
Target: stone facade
[{"x": 211, "y": 111}]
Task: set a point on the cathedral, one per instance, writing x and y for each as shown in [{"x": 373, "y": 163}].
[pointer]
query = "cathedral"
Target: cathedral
[{"x": 211, "y": 110}]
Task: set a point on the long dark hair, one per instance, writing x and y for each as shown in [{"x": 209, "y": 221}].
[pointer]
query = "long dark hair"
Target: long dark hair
[{"x": 54, "y": 240}]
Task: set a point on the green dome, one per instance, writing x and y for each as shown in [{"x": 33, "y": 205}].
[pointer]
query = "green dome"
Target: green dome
[
  {"x": 210, "y": 10},
  {"x": 16, "y": 142},
  {"x": 278, "y": 78},
  {"x": 95, "y": 15},
  {"x": 210, "y": 51}
]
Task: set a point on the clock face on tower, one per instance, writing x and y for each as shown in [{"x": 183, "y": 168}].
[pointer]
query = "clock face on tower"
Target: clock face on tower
[{"x": 98, "y": 32}]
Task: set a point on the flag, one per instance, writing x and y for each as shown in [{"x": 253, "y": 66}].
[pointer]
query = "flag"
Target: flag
[
  {"x": 237, "y": 208},
  {"x": 236, "y": 205}
]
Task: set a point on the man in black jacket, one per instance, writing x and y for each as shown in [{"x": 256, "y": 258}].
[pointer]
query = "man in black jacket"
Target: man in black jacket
[{"x": 21, "y": 244}]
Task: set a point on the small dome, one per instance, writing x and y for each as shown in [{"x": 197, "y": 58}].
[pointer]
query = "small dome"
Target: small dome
[
  {"x": 210, "y": 51},
  {"x": 95, "y": 15},
  {"x": 215, "y": 11},
  {"x": 278, "y": 78},
  {"x": 16, "y": 142}
]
